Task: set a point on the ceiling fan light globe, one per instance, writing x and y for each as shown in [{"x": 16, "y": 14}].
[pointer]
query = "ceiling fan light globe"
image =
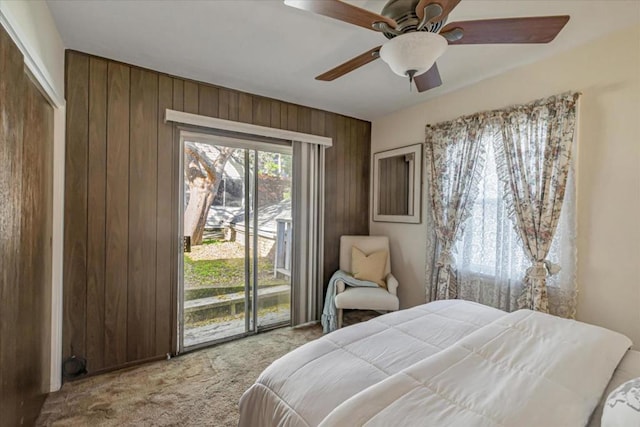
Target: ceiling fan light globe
[{"x": 413, "y": 51}]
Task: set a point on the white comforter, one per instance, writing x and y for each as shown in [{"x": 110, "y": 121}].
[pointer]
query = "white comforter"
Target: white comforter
[
  {"x": 304, "y": 386},
  {"x": 524, "y": 369}
]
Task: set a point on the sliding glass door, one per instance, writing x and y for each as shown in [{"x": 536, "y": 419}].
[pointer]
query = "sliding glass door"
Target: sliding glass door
[{"x": 236, "y": 252}]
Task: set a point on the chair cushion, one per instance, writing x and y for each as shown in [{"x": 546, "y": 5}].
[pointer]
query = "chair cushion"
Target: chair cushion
[
  {"x": 369, "y": 267},
  {"x": 367, "y": 299}
]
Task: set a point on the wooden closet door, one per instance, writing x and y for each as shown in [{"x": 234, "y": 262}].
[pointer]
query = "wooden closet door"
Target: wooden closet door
[{"x": 26, "y": 188}]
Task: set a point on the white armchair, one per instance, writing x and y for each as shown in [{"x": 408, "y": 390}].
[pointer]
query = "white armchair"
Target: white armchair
[{"x": 362, "y": 298}]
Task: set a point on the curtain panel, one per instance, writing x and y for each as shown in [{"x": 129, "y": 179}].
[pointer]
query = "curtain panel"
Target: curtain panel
[
  {"x": 502, "y": 201},
  {"x": 533, "y": 159},
  {"x": 308, "y": 232},
  {"x": 490, "y": 259},
  {"x": 454, "y": 165}
]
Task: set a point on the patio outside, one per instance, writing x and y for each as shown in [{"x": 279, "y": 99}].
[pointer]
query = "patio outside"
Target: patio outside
[{"x": 214, "y": 270}]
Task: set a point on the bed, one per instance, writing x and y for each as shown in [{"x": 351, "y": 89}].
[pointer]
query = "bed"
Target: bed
[{"x": 367, "y": 373}]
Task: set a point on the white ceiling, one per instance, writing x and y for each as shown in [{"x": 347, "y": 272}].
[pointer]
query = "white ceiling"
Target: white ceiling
[{"x": 267, "y": 48}]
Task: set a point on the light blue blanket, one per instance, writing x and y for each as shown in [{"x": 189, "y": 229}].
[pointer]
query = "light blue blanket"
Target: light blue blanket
[{"x": 330, "y": 312}]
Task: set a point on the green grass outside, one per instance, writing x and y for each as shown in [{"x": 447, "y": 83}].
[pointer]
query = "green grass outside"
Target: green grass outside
[
  {"x": 212, "y": 241},
  {"x": 209, "y": 277},
  {"x": 224, "y": 273}
]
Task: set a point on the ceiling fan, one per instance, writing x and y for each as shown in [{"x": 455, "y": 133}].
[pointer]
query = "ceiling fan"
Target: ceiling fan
[{"x": 419, "y": 34}]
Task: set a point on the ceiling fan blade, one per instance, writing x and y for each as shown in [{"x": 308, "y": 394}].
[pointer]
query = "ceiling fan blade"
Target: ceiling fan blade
[
  {"x": 350, "y": 65},
  {"x": 447, "y": 7},
  {"x": 342, "y": 11},
  {"x": 428, "y": 80},
  {"x": 540, "y": 29}
]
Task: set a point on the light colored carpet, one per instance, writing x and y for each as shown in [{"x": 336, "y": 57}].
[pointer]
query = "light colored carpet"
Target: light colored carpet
[{"x": 201, "y": 388}]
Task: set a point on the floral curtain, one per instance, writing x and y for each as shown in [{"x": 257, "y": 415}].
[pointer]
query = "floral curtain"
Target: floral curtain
[
  {"x": 454, "y": 161},
  {"x": 490, "y": 260},
  {"x": 533, "y": 159},
  {"x": 504, "y": 177}
]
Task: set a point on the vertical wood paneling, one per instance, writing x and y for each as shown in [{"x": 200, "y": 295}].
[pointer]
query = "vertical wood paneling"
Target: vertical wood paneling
[
  {"x": 364, "y": 140},
  {"x": 234, "y": 106},
  {"x": 26, "y": 171},
  {"x": 317, "y": 122},
  {"x": 245, "y": 108},
  {"x": 392, "y": 173},
  {"x": 208, "y": 101},
  {"x": 275, "y": 115},
  {"x": 117, "y": 216},
  {"x": 143, "y": 155},
  {"x": 178, "y": 94},
  {"x": 284, "y": 116},
  {"x": 75, "y": 218},
  {"x": 223, "y": 104},
  {"x": 191, "y": 97},
  {"x": 34, "y": 303},
  {"x": 96, "y": 204},
  {"x": 361, "y": 160},
  {"x": 356, "y": 165},
  {"x": 164, "y": 247},
  {"x": 12, "y": 83},
  {"x": 292, "y": 117},
  {"x": 341, "y": 193},
  {"x": 304, "y": 120},
  {"x": 261, "y": 112},
  {"x": 330, "y": 232},
  {"x": 141, "y": 195}
]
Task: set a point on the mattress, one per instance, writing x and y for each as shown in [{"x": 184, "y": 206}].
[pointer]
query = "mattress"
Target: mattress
[
  {"x": 525, "y": 369},
  {"x": 304, "y": 386}
]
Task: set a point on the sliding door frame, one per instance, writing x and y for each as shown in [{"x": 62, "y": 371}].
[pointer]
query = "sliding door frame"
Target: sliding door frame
[
  {"x": 248, "y": 143},
  {"x": 214, "y": 126}
]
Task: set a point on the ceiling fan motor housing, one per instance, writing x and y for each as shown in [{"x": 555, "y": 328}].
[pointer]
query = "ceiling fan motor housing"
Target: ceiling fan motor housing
[
  {"x": 404, "y": 13},
  {"x": 414, "y": 53}
]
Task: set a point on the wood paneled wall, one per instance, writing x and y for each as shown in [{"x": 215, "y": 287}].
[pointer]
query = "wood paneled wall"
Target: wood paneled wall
[
  {"x": 121, "y": 203},
  {"x": 26, "y": 187}
]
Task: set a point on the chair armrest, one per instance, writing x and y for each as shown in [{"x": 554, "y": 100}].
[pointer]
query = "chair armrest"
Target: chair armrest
[
  {"x": 392, "y": 284},
  {"x": 339, "y": 286}
]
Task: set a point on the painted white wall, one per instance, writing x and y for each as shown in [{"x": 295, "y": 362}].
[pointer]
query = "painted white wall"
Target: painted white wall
[
  {"x": 31, "y": 26},
  {"x": 40, "y": 42},
  {"x": 607, "y": 72}
]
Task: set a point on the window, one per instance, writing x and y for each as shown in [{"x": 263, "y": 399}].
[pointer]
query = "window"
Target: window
[{"x": 490, "y": 261}]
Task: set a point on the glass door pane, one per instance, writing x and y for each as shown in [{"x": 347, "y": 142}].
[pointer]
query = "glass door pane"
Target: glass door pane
[
  {"x": 216, "y": 265},
  {"x": 236, "y": 263},
  {"x": 273, "y": 238}
]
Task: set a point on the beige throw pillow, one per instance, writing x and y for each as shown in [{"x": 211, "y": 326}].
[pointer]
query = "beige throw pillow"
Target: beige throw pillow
[{"x": 369, "y": 267}]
